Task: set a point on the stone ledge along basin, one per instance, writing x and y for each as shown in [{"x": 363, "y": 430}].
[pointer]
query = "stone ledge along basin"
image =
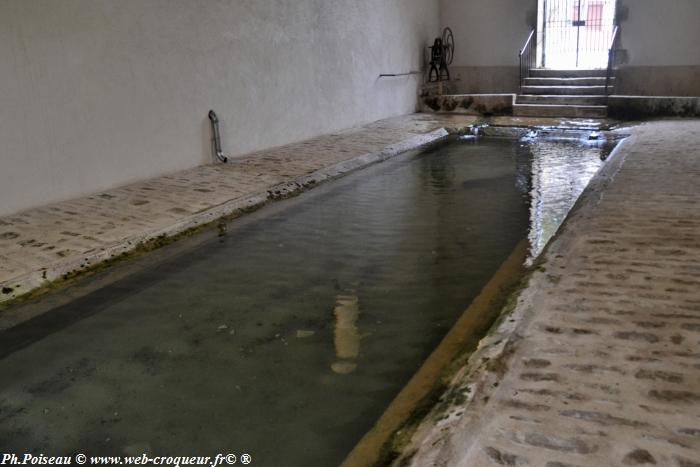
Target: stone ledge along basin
[{"x": 286, "y": 336}]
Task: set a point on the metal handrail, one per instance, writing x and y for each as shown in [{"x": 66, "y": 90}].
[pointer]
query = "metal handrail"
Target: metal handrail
[
  {"x": 611, "y": 59},
  {"x": 527, "y": 56}
]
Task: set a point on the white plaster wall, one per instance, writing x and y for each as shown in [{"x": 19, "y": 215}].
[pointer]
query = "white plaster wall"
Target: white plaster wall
[
  {"x": 98, "y": 93},
  {"x": 655, "y": 32},
  {"x": 488, "y": 32},
  {"x": 661, "y": 32}
]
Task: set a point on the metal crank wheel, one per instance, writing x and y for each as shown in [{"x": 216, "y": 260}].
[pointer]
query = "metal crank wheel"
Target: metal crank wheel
[{"x": 448, "y": 42}]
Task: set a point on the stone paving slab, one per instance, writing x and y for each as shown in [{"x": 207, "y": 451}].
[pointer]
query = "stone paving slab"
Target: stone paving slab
[
  {"x": 44, "y": 243},
  {"x": 599, "y": 363}
]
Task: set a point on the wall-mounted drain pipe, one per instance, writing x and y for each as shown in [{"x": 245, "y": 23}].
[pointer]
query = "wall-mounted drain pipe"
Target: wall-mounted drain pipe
[
  {"x": 408, "y": 73},
  {"x": 216, "y": 136}
]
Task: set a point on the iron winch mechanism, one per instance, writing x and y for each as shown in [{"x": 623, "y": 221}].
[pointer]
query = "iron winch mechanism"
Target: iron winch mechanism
[{"x": 441, "y": 55}]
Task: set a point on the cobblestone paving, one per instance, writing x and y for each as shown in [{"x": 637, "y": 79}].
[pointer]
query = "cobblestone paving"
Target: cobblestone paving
[
  {"x": 43, "y": 243},
  {"x": 602, "y": 365}
]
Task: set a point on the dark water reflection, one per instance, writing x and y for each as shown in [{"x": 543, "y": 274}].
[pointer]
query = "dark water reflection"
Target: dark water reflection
[{"x": 287, "y": 338}]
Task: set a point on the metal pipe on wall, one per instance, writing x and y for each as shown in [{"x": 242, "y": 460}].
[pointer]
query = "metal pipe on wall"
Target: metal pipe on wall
[{"x": 216, "y": 137}]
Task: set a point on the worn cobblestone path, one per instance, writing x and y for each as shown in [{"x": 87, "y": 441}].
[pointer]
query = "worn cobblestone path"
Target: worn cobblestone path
[
  {"x": 43, "y": 243},
  {"x": 599, "y": 364}
]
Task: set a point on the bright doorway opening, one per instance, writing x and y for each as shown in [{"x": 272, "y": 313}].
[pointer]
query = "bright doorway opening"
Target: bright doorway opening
[{"x": 575, "y": 33}]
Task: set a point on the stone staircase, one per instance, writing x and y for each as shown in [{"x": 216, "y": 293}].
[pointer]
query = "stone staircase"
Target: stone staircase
[{"x": 563, "y": 93}]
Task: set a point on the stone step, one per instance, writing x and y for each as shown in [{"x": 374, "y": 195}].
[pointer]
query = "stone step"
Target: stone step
[
  {"x": 565, "y": 90},
  {"x": 559, "y": 99},
  {"x": 551, "y": 73},
  {"x": 587, "y": 81},
  {"x": 578, "y": 111}
]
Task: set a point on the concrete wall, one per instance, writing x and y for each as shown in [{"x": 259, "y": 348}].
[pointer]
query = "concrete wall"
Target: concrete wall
[
  {"x": 488, "y": 35},
  {"x": 98, "y": 93},
  {"x": 636, "y": 107},
  {"x": 661, "y": 53},
  {"x": 660, "y": 40}
]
